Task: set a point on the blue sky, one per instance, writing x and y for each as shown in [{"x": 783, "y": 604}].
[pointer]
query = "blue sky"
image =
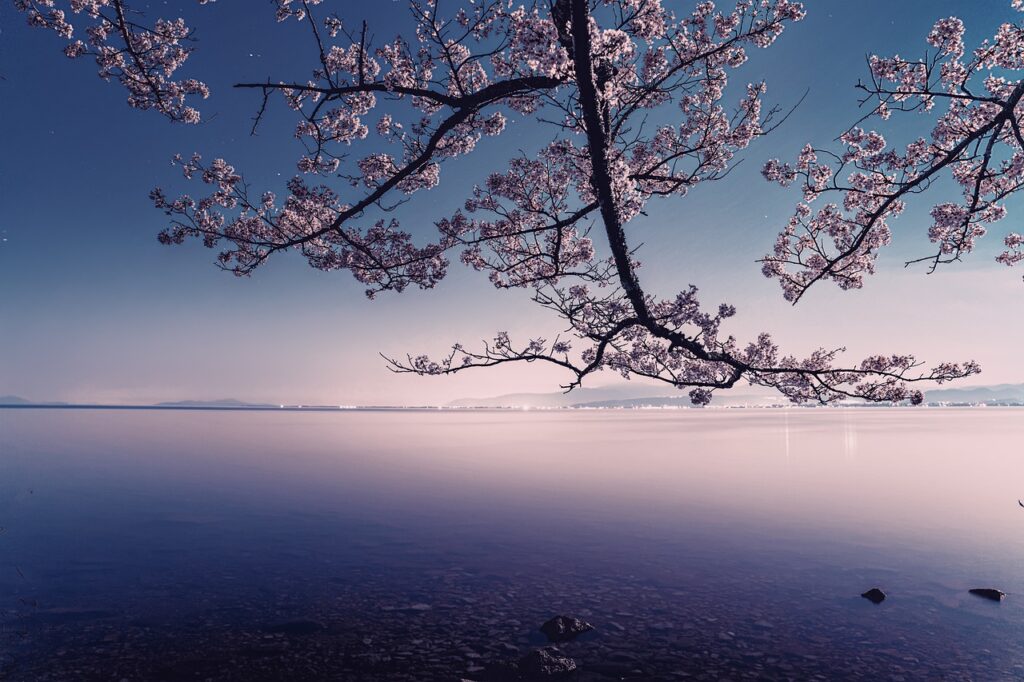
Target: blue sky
[{"x": 93, "y": 308}]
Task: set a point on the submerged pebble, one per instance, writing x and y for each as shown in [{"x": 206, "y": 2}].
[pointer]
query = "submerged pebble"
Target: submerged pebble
[
  {"x": 546, "y": 662},
  {"x": 565, "y": 628},
  {"x": 988, "y": 593},
  {"x": 874, "y": 595}
]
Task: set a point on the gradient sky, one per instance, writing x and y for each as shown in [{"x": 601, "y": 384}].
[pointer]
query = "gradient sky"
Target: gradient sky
[{"x": 92, "y": 308}]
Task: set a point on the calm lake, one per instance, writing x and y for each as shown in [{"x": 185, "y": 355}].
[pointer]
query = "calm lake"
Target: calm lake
[{"x": 423, "y": 545}]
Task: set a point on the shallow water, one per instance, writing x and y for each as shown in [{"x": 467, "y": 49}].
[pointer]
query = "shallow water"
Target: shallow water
[{"x": 431, "y": 545}]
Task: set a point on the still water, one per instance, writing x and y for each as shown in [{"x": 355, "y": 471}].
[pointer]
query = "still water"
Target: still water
[{"x": 422, "y": 545}]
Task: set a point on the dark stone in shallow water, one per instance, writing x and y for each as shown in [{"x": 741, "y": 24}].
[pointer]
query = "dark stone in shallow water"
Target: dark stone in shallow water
[
  {"x": 988, "y": 593},
  {"x": 546, "y": 662},
  {"x": 874, "y": 595},
  {"x": 565, "y": 628},
  {"x": 296, "y": 627}
]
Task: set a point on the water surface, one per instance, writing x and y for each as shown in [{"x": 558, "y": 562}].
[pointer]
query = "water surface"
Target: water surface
[{"x": 431, "y": 545}]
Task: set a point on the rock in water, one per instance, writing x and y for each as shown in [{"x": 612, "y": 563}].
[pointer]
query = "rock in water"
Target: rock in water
[
  {"x": 565, "y": 629},
  {"x": 546, "y": 662},
  {"x": 988, "y": 593},
  {"x": 874, "y": 595}
]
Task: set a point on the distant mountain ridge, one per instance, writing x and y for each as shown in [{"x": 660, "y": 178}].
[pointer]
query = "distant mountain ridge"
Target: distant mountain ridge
[
  {"x": 978, "y": 394},
  {"x": 223, "y": 402},
  {"x": 18, "y": 400}
]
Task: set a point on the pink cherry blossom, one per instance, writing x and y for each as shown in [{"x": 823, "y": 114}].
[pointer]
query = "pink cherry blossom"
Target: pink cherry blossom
[
  {"x": 976, "y": 140},
  {"x": 377, "y": 123},
  {"x": 142, "y": 58}
]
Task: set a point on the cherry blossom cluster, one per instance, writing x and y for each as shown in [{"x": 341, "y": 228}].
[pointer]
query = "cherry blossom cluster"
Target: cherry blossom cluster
[
  {"x": 525, "y": 233},
  {"x": 1014, "y": 249},
  {"x": 143, "y": 58},
  {"x": 378, "y": 122},
  {"x": 383, "y": 257},
  {"x": 682, "y": 349},
  {"x": 286, "y": 9},
  {"x": 531, "y": 225},
  {"x": 976, "y": 138}
]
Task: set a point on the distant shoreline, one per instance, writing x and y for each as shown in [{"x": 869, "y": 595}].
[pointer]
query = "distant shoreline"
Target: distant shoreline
[
  {"x": 239, "y": 408},
  {"x": 449, "y": 408}
]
